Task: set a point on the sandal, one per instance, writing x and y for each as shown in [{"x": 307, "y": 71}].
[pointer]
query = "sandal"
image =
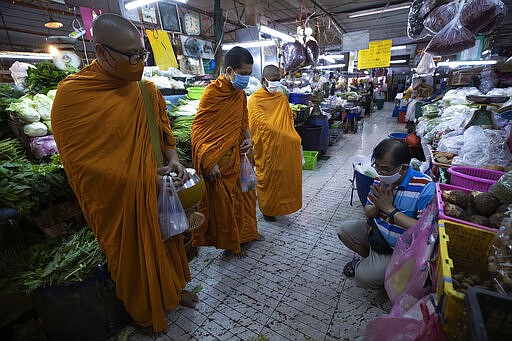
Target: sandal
[{"x": 349, "y": 268}]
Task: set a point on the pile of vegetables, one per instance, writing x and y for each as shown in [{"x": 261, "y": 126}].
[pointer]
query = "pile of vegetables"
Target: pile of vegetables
[
  {"x": 463, "y": 281},
  {"x": 34, "y": 112},
  {"x": 8, "y": 94},
  {"x": 481, "y": 208},
  {"x": 29, "y": 187},
  {"x": 45, "y": 76},
  {"x": 181, "y": 117},
  {"x": 297, "y": 107},
  {"x": 72, "y": 257}
]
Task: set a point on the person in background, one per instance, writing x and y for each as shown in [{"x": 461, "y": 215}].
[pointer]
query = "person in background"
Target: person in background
[
  {"x": 369, "y": 97},
  {"x": 277, "y": 148},
  {"x": 397, "y": 197},
  {"x": 220, "y": 134},
  {"x": 100, "y": 126}
]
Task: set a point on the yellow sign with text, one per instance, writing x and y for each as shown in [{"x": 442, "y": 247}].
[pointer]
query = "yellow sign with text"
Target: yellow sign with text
[{"x": 377, "y": 55}]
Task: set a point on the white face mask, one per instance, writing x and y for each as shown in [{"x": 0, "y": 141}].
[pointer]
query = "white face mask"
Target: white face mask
[
  {"x": 274, "y": 86},
  {"x": 390, "y": 179}
]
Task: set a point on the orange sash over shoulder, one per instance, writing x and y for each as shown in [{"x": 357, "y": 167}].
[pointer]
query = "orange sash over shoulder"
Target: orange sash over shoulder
[
  {"x": 277, "y": 153},
  {"x": 217, "y": 132},
  {"x": 100, "y": 126}
]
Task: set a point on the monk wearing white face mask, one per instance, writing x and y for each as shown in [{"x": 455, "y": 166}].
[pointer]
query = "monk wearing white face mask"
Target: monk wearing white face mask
[
  {"x": 396, "y": 199},
  {"x": 277, "y": 150}
]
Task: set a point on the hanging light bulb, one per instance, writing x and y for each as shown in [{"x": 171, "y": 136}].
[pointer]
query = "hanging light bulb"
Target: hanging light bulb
[{"x": 51, "y": 23}]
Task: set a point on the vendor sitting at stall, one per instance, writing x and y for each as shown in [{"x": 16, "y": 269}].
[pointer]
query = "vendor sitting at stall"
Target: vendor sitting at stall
[{"x": 396, "y": 199}]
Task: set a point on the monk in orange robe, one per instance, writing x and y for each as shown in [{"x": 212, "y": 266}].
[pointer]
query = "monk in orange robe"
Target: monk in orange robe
[
  {"x": 220, "y": 133},
  {"x": 277, "y": 148},
  {"x": 101, "y": 129}
]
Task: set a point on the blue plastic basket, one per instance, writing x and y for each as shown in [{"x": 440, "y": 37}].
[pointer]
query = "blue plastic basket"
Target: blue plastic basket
[
  {"x": 398, "y": 136},
  {"x": 296, "y": 98}
]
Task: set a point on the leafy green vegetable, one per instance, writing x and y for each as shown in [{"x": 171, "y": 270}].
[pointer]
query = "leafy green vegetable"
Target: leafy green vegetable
[
  {"x": 45, "y": 77},
  {"x": 181, "y": 128},
  {"x": 69, "y": 258}
]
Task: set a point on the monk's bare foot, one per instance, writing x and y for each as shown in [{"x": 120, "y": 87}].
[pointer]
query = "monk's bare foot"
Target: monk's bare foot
[
  {"x": 243, "y": 252},
  {"x": 151, "y": 332},
  {"x": 269, "y": 218},
  {"x": 188, "y": 299},
  {"x": 260, "y": 238}
]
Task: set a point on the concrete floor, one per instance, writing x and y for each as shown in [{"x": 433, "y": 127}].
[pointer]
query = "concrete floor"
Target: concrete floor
[{"x": 291, "y": 285}]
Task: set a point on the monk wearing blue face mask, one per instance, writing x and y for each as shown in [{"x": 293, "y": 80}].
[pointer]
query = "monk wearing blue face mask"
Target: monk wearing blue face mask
[
  {"x": 397, "y": 197},
  {"x": 220, "y": 134}
]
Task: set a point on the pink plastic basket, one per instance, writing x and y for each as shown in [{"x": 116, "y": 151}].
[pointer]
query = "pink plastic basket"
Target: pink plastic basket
[
  {"x": 440, "y": 203},
  {"x": 477, "y": 179}
]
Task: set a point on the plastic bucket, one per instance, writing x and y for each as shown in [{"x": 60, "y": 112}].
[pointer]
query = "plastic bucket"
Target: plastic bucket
[
  {"x": 195, "y": 92},
  {"x": 311, "y": 137}
]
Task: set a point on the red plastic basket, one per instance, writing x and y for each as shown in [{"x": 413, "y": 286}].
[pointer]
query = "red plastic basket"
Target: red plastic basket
[
  {"x": 440, "y": 204},
  {"x": 477, "y": 179}
]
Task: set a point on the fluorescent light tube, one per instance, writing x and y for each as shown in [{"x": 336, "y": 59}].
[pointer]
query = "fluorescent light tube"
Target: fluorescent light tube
[
  {"x": 26, "y": 55},
  {"x": 378, "y": 11},
  {"x": 249, "y": 44},
  {"x": 327, "y": 58},
  {"x": 486, "y": 52},
  {"x": 467, "y": 62},
  {"x": 400, "y": 47},
  {"x": 398, "y": 61},
  {"x": 275, "y": 33},
  {"x": 335, "y": 56},
  {"x": 333, "y": 66}
]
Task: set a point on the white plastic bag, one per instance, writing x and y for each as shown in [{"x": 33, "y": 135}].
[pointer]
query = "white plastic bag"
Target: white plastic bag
[
  {"x": 171, "y": 215},
  {"x": 248, "y": 179}
]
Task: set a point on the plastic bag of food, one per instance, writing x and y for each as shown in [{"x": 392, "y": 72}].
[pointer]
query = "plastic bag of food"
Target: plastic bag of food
[
  {"x": 248, "y": 179},
  {"x": 500, "y": 258},
  {"x": 502, "y": 189},
  {"x": 430, "y": 5},
  {"x": 294, "y": 55},
  {"x": 171, "y": 214},
  {"x": 426, "y": 64},
  {"x": 414, "y": 20},
  {"x": 312, "y": 52},
  {"x": 483, "y": 147},
  {"x": 43, "y": 146},
  {"x": 478, "y": 14},
  {"x": 453, "y": 38},
  {"x": 440, "y": 17}
]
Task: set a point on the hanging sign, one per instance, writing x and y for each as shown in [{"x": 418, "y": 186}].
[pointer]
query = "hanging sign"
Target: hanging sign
[
  {"x": 377, "y": 55},
  {"x": 355, "y": 41}
]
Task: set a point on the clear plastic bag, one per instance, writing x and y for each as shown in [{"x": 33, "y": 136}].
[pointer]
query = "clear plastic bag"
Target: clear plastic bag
[
  {"x": 414, "y": 20},
  {"x": 171, "y": 214},
  {"x": 481, "y": 15},
  {"x": 440, "y": 17},
  {"x": 453, "y": 38},
  {"x": 248, "y": 179},
  {"x": 502, "y": 189},
  {"x": 426, "y": 64},
  {"x": 294, "y": 55},
  {"x": 500, "y": 258}
]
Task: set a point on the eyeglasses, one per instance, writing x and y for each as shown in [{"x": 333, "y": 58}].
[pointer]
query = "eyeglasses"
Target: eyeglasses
[
  {"x": 385, "y": 171},
  {"x": 133, "y": 58}
]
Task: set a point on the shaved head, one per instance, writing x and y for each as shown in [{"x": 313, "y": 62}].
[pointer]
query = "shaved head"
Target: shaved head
[
  {"x": 114, "y": 30},
  {"x": 271, "y": 72}
]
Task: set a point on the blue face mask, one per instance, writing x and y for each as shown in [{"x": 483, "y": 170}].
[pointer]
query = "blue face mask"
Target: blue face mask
[{"x": 240, "y": 81}]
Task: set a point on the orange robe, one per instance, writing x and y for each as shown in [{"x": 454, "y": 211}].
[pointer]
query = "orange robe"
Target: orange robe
[
  {"x": 100, "y": 126},
  {"x": 277, "y": 153},
  {"x": 217, "y": 132}
]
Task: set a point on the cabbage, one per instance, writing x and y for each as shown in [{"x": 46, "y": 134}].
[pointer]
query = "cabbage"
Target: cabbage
[
  {"x": 48, "y": 124},
  {"x": 35, "y": 129},
  {"x": 43, "y": 105},
  {"x": 24, "y": 110},
  {"x": 43, "y": 146},
  {"x": 51, "y": 94}
]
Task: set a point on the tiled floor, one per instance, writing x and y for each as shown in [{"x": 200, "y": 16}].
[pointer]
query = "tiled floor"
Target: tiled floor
[{"x": 291, "y": 286}]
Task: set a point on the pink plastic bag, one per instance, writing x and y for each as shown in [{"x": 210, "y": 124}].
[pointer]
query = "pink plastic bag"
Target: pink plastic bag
[
  {"x": 409, "y": 267},
  {"x": 418, "y": 322}
]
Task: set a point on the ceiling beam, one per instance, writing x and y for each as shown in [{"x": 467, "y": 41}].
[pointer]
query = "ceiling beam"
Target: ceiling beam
[
  {"x": 41, "y": 8},
  {"x": 335, "y": 22}
]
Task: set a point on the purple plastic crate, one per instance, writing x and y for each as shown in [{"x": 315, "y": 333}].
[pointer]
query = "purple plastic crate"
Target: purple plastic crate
[{"x": 478, "y": 179}]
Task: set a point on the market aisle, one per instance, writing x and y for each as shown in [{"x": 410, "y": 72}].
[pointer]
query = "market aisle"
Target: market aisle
[{"x": 291, "y": 286}]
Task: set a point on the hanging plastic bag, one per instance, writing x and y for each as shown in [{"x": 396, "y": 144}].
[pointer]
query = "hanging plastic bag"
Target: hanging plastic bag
[
  {"x": 440, "y": 17},
  {"x": 453, "y": 38},
  {"x": 414, "y": 20},
  {"x": 248, "y": 179},
  {"x": 426, "y": 64},
  {"x": 480, "y": 15},
  {"x": 294, "y": 55},
  {"x": 312, "y": 48},
  {"x": 171, "y": 215},
  {"x": 409, "y": 268}
]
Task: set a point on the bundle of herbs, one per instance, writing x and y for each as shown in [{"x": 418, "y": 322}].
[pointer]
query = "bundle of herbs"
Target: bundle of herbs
[
  {"x": 73, "y": 257},
  {"x": 29, "y": 187},
  {"x": 181, "y": 128},
  {"x": 45, "y": 76}
]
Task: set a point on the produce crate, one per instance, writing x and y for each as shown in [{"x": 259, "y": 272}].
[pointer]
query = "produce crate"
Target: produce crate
[
  {"x": 440, "y": 204},
  {"x": 489, "y": 315},
  {"x": 477, "y": 179},
  {"x": 311, "y": 158},
  {"x": 462, "y": 248}
]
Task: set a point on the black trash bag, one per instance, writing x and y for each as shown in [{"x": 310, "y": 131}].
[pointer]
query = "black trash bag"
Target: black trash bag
[
  {"x": 440, "y": 17},
  {"x": 294, "y": 55},
  {"x": 312, "y": 52},
  {"x": 415, "y": 21},
  {"x": 481, "y": 15}
]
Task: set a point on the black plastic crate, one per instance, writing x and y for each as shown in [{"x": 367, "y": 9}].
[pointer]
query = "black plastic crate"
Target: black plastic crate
[{"x": 489, "y": 315}]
